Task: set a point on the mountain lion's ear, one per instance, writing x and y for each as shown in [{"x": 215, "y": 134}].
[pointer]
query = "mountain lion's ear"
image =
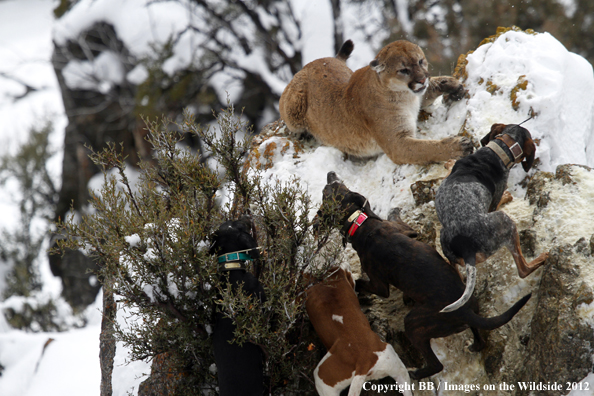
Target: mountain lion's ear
[{"x": 376, "y": 66}]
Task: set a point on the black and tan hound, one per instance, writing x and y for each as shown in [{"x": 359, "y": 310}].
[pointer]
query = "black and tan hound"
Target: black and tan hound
[{"x": 389, "y": 256}]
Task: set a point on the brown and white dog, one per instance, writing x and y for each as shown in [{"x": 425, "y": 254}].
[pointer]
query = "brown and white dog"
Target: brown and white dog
[
  {"x": 355, "y": 352},
  {"x": 374, "y": 109}
]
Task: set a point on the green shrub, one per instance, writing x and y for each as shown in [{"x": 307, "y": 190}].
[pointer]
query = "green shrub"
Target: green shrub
[
  {"x": 21, "y": 247},
  {"x": 36, "y": 199},
  {"x": 152, "y": 242}
]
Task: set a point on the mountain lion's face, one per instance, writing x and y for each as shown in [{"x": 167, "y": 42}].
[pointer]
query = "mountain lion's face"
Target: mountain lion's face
[{"x": 402, "y": 66}]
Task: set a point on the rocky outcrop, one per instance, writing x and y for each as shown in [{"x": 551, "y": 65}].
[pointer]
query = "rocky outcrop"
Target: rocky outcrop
[
  {"x": 561, "y": 341},
  {"x": 552, "y": 338},
  {"x": 424, "y": 191}
]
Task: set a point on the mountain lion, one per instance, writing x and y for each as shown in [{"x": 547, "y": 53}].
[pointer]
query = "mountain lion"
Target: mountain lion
[{"x": 374, "y": 109}]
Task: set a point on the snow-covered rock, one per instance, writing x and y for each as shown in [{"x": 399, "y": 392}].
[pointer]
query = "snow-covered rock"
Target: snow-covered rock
[{"x": 509, "y": 78}]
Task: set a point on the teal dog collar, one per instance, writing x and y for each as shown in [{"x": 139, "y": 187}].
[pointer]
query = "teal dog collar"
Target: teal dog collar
[{"x": 234, "y": 256}]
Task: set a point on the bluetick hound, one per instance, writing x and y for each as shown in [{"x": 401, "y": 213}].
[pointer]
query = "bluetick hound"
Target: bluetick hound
[
  {"x": 467, "y": 200},
  {"x": 390, "y": 256}
]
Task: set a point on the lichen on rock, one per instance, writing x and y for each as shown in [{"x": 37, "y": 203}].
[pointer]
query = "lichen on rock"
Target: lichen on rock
[{"x": 560, "y": 346}]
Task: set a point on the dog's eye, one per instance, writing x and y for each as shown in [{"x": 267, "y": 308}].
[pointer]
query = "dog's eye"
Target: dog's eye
[{"x": 404, "y": 71}]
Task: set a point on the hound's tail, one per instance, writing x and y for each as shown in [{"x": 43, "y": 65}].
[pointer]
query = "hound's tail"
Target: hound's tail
[
  {"x": 474, "y": 320},
  {"x": 470, "y": 261},
  {"x": 464, "y": 247},
  {"x": 345, "y": 50}
]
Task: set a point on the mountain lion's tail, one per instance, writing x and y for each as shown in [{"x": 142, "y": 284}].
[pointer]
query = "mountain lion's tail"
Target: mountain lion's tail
[{"x": 345, "y": 50}]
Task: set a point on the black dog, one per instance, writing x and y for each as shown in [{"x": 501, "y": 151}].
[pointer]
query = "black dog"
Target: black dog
[
  {"x": 240, "y": 368},
  {"x": 390, "y": 257},
  {"x": 467, "y": 200}
]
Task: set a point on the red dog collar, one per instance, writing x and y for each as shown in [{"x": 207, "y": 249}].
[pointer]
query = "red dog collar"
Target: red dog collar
[{"x": 357, "y": 218}]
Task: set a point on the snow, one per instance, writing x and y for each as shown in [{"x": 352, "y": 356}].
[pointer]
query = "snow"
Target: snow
[
  {"x": 316, "y": 17},
  {"x": 159, "y": 22},
  {"x": 32, "y": 360},
  {"x": 64, "y": 352},
  {"x": 569, "y": 6},
  {"x": 69, "y": 361},
  {"x": 155, "y": 22},
  {"x": 25, "y": 50},
  {"x": 138, "y": 75},
  {"x": 560, "y": 91},
  {"x": 562, "y": 126},
  {"x": 127, "y": 375},
  {"x": 569, "y": 212},
  {"x": 100, "y": 75},
  {"x": 96, "y": 182}
]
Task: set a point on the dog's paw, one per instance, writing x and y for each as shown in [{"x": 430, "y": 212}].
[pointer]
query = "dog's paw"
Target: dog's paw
[
  {"x": 413, "y": 375},
  {"x": 540, "y": 260},
  {"x": 394, "y": 214},
  {"x": 425, "y": 371},
  {"x": 505, "y": 198}
]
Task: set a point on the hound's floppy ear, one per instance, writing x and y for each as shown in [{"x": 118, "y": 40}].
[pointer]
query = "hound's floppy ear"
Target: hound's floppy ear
[
  {"x": 248, "y": 221},
  {"x": 529, "y": 153},
  {"x": 376, "y": 66},
  {"x": 350, "y": 279},
  {"x": 496, "y": 129}
]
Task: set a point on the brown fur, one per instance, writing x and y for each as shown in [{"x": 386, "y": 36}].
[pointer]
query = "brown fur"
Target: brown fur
[
  {"x": 355, "y": 352},
  {"x": 374, "y": 109},
  {"x": 389, "y": 256}
]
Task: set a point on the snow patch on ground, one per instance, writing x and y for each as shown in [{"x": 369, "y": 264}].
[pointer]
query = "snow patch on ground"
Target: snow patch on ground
[
  {"x": 559, "y": 91},
  {"x": 569, "y": 215}
]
